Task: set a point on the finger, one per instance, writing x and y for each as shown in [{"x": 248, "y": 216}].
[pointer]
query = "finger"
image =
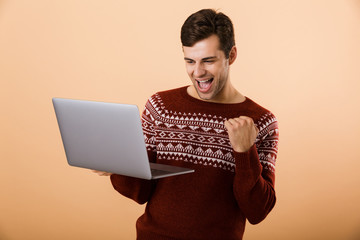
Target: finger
[
  {"x": 229, "y": 124},
  {"x": 100, "y": 173},
  {"x": 226, "y": 124},
  {"x": 257, "y": 130},
  {"x": 233, "y": 121},
  {"x": 234, "y": 124},
  {"x": 247, "y": 119},
  {"x": 240, "y": 121}
]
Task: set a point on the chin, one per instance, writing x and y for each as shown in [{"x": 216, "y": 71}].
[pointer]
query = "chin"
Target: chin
[{"x": 206, "y": 97}]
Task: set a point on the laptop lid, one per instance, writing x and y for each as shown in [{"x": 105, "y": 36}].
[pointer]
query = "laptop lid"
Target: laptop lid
[{"x": 106, "y": 137}]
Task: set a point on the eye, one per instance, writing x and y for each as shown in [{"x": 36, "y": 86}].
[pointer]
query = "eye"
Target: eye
[
  {"x": 190, "y": 61},
  {"x": 209, "y": 61}
]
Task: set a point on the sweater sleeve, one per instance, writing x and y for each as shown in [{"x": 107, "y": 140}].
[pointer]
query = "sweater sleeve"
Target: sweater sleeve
[
  {"x": 139, "y": 190},
  {"x": 254, "y": 175}
]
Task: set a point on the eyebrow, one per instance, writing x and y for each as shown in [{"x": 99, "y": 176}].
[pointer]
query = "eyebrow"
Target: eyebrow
[{"x": 204, "y": 59}]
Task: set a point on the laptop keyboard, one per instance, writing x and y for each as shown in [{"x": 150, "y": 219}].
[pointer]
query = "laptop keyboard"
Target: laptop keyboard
[{"x": 156, "y": 172}]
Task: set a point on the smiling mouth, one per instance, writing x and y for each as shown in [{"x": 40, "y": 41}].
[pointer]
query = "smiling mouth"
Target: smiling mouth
[{"x": 205, "y": 84}]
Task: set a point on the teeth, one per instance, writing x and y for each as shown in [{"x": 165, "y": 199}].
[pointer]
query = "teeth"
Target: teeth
[
  {"x": 204, "y": 80},
  {"x": 204, "y": 84}
]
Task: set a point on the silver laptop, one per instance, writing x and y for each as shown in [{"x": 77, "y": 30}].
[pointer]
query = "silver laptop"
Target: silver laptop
[{"x": 107, "y": 137}]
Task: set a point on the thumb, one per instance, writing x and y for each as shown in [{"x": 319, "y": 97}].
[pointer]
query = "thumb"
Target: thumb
[{"x": 257, "y": 130}]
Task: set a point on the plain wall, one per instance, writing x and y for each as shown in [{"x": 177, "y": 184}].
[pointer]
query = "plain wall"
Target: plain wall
[{"x": 300, "y": 59}]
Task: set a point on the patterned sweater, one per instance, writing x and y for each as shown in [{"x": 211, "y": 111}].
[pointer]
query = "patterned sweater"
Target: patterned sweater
[{"x": 226, "y": 188}]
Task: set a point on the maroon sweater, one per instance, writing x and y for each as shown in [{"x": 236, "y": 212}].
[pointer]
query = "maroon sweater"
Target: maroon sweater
[{"x": 226, "y": 188}]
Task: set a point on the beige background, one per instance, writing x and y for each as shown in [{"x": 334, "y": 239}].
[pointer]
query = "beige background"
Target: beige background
[{"x": 298, "y": 58}]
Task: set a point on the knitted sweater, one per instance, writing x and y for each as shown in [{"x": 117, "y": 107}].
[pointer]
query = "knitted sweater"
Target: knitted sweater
[{"x": 226, "y": 188}]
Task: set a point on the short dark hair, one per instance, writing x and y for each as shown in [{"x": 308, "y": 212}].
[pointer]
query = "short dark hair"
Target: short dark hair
[{"x": 207, "y": 22}]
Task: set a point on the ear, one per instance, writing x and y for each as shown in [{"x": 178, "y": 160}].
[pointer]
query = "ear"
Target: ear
[{"x": 232, "y": 55}]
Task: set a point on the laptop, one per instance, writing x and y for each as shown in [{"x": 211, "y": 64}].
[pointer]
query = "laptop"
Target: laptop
[{"x": 107, "y": 137}]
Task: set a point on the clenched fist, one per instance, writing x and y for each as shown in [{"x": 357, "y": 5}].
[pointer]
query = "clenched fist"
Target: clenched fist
[{"x": 242, "y": 133}]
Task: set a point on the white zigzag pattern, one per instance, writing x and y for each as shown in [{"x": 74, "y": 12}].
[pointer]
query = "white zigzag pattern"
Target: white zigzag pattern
[
  {"x": 196, "y": 159},
  {"x": 210, "y": 125}
]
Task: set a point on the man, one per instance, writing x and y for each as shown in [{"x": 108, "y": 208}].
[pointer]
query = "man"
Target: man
[{"x": 209, "y": 126}]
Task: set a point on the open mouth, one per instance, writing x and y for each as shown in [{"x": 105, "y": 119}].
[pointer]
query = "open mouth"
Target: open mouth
[{"x": 204, "y": 85}]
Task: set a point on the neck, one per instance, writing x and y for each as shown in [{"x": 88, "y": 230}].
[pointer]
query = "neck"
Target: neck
[{"x": 228, "y": 95}]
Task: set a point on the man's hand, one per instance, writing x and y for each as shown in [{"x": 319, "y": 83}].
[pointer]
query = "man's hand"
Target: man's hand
[
  {"x": 100, "y": 173},
  {"x": 242, "y": 133}
]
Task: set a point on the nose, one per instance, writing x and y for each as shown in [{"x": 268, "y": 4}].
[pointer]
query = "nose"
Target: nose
[{"x": 199, "y": 70}]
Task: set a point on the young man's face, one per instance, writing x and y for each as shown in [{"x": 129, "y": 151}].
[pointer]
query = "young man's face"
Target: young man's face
[{"x": 208, "y": 68}]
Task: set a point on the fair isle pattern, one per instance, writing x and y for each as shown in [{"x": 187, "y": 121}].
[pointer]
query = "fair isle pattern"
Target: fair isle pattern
[
  {"x": 267, "y": 141},
  {"x": 199, "y": 138}
]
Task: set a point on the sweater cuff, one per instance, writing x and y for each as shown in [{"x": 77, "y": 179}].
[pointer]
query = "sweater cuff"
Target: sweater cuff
[{"x": 247, "y": 160}]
